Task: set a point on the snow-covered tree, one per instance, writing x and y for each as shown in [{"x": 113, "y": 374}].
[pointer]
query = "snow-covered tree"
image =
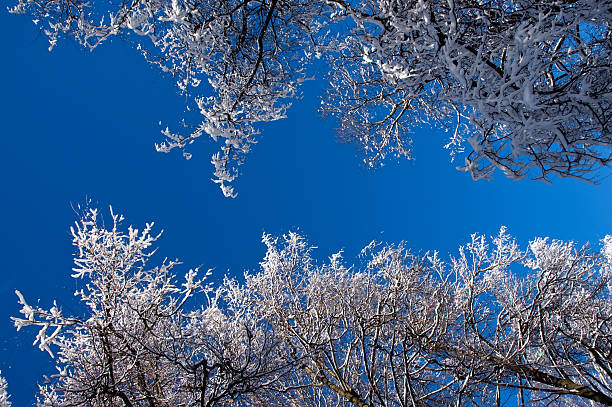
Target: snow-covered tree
[
  {"x": 143, "y": 339},
  {"x": 251, "y": 56},
  {"x": 525, "y": 83},
  {"x": 4, "y": 396},
  {"x": 492, "y": 325}
]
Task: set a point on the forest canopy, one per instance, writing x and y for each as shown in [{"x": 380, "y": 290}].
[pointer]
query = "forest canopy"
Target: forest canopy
[
  {"x": 492, "y": 324},
  {"x": 522, "y": 87}
]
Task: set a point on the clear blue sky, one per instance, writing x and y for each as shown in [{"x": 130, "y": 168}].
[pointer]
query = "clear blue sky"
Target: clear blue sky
[{"x": 79, "y": 125}]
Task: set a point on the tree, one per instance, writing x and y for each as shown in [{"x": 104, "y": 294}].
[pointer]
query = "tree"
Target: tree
[
  {"x": 408, "y": 330},
  {"x": 136, "y": 343},
  {"x": 526, "y": 83},
  {"x": 250, "y": 54},
  {"x": 493, "y": 325}
]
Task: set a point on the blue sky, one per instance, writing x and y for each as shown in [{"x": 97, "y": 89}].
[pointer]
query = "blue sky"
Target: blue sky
[{"x": 79, "y": 125}]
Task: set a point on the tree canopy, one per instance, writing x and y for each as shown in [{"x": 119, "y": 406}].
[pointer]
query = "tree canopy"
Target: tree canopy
[
  {"x": 522, "y": 86},
  {"x": 492, "y": 325}
]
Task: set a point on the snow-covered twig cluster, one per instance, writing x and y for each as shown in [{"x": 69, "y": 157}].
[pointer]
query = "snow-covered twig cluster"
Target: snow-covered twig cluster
[{"x": 526, "y": 83}]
